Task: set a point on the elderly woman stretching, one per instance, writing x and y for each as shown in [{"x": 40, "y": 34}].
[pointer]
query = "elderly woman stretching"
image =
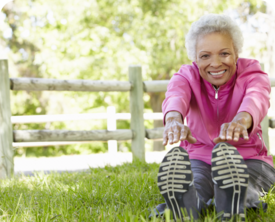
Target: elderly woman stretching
[{"x": 222, "y": 153}]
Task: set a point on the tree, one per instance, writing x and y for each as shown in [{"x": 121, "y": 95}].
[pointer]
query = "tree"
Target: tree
[{"x": 97, "y": 40}]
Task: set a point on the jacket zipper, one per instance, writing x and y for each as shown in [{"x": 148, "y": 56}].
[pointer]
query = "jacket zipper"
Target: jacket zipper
[
  {"x": 217, "y": 97},
  {"x": 262, "y": 143},
  {"x": 216, "y": 92}
]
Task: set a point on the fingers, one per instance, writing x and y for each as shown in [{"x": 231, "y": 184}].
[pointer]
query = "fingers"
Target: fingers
[
  {"x": 218, "y": 140},
  {"x": 184, "y": 133},
  {"x": 170, "y": 137},
  {"x": 165, "y": 138},
  {"x": 236, "y": 134},
  {"x": 176, "y": 134},
  {"x": 240, "y": 133},
  {"x": 191, "y": 139},
  {"x": 187, "y": 135},
  {"x": 173, "y": 133},
  {"x": 231, "y": 131},
  {"x": 223, "y": 130},
  {"x": 245, "y": 134},
  {"x": 236, "y": 131}
]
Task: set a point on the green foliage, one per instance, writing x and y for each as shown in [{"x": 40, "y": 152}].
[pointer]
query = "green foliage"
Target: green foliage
[
  {"x": 257, "y": 6},
  {"x": 97, "y": 40}
]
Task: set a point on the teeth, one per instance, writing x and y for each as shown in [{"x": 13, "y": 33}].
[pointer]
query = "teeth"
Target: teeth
[{"x": 217, "y": 73}]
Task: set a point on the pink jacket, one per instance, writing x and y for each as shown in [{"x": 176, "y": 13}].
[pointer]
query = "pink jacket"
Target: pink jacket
[{"x": 206, "y": 109}]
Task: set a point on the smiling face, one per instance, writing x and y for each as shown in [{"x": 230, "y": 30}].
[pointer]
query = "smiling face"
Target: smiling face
[{"x": 216, "y": 58}]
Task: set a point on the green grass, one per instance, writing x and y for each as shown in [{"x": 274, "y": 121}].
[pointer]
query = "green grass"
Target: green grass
[{"x": 122, "y": 193}]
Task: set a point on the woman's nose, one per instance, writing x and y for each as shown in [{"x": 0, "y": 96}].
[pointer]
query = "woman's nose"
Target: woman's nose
[{"x": 216, "y": 62}]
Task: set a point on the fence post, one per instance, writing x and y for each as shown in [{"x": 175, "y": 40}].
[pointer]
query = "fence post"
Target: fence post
[
  {"x": 111, "y": 125},
  {"x": 136, "y": 109},
  {"x": 6, "y": 149},
  {"x": 265, "y": 126}
]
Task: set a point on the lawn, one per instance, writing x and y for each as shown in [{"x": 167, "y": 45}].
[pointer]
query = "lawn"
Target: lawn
[{"x": 123, "y": 193}]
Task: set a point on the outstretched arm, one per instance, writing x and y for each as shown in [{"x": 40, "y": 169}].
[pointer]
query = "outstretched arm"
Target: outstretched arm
[
  {"x": 175, "y": 107},
  {"x": 254, "y": 105}
]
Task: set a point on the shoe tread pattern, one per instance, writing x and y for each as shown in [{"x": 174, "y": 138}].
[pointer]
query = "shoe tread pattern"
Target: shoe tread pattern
[
  {"x": 175, "y": 173},
  {"x": 230, "y": 173},
  {"x": 174, "y": 179},
  {"x": 228, "y": 167}
]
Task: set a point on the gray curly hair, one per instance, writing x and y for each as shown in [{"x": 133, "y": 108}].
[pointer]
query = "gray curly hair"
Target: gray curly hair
[{"x": 213, "y": 23}]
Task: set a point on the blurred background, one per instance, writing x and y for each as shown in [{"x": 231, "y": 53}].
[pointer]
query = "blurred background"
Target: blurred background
[{"x": 98, "y": 40}]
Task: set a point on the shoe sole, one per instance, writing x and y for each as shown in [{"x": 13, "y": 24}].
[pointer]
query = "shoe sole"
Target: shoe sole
[
  {"x": 230, "y": 174},
  {"x": 174, "y": 179}
]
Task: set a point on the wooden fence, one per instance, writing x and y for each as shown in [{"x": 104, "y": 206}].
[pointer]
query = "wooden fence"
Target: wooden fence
[
  {"x": 137, "y": 133},
  {"x": 111, "y": 116}
]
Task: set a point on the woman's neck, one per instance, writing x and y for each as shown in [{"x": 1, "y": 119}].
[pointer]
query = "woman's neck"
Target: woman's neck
[{"x": 216, "y": 87}]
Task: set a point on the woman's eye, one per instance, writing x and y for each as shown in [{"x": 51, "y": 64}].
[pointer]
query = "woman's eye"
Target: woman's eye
[
  {"x": 225, "y": 53},
  {"x": 204, "y": 56}
]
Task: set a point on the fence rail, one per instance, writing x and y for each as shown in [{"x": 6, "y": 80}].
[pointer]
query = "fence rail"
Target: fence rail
[
  {"x": 37, "y": 84},
  {"x": 136, "y": 134},
  {"x": 73, "y": 136}
]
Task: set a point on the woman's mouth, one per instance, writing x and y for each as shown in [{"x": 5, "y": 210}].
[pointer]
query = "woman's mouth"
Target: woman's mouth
[{"x": 217, "y": 75}]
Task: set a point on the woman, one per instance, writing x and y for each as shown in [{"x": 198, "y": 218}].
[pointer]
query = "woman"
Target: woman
[{"x": 224, "y": 98}]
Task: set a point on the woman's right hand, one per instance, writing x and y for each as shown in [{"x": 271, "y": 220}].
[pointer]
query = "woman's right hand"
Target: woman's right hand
[{"x": 175, "y": 130}]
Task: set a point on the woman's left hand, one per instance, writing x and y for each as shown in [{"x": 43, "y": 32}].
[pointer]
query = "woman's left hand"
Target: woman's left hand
[{"x": 236, "y": 129}]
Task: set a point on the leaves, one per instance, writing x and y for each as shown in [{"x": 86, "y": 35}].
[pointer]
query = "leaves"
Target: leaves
[{"x": 97, "y": 40}]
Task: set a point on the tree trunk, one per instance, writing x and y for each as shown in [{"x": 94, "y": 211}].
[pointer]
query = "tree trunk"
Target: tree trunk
[{"x": 156, "y": 102}]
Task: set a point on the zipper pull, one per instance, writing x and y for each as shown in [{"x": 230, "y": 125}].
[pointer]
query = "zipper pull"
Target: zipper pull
[
  {"x": 216, "y": 94},
  {"x": 216, "y": 91}
]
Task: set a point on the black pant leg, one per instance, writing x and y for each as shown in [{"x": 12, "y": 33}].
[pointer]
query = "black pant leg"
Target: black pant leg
[
  {"x": 261, "y": 179},
  {"x": 202, "y": 179}
]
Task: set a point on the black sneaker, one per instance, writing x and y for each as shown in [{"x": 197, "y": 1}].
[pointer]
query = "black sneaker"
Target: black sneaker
[
  {"x": 175, "y": 182},
  {"x": 230, "y": 175}
]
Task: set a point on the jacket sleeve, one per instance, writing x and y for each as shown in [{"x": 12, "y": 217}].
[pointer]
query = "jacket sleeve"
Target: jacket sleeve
[
  {"x": 256, "y": 97},
  {"x": 178, "y": 95}
]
